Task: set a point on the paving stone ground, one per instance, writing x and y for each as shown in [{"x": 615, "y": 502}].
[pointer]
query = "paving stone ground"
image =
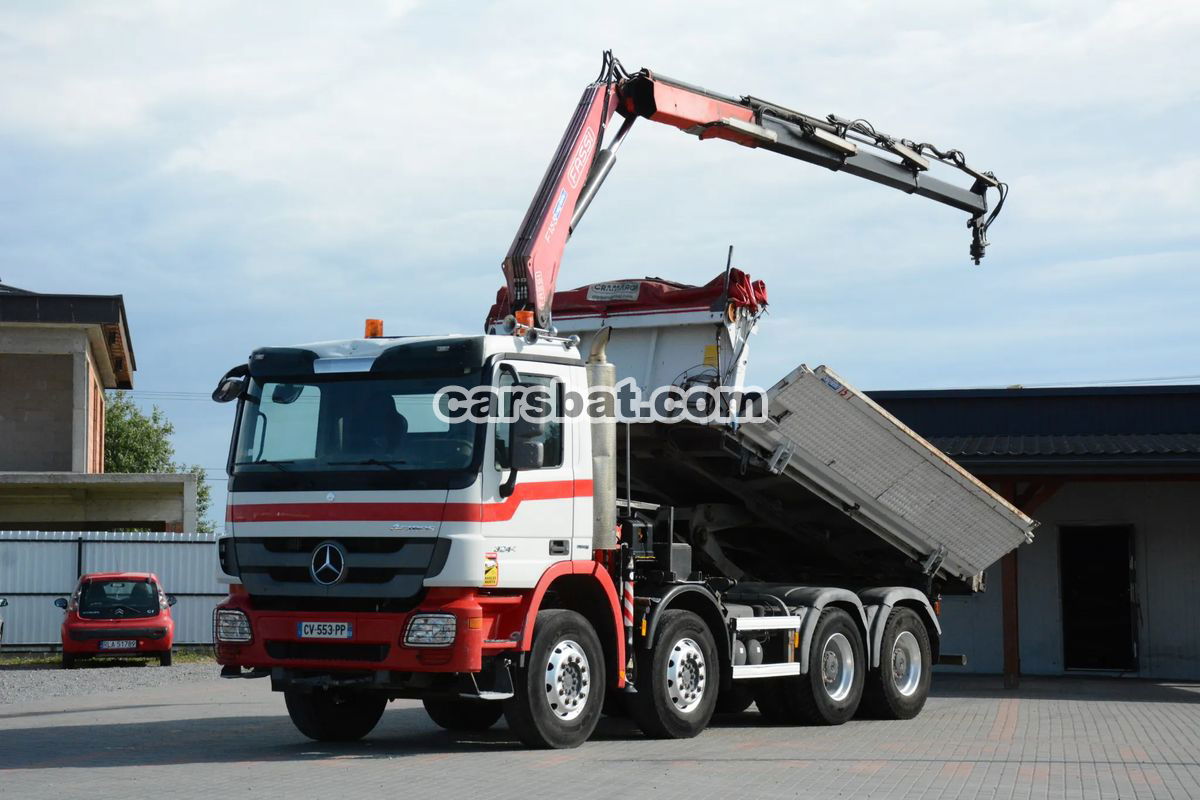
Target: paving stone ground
[{"x": 1053, "y": 738}]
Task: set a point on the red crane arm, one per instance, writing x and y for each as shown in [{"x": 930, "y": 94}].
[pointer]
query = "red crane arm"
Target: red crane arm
[
  {"x": 531, "y": 266},
  {"x": 582, "y": 162}
]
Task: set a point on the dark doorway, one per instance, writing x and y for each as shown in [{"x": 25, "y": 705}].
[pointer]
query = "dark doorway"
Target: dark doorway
[{"x": 1097, "y": 597}]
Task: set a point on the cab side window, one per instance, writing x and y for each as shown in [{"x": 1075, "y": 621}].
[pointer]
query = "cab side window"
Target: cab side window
[{"x": 552, "y": 437}]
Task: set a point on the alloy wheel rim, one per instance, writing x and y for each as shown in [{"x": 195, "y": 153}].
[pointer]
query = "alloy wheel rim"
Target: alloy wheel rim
[
  {"x": 906, "y": 664},
  {"x": 568, "y": 680},
  {"x": 837, "y": 667},
  {"x": 687, "y": 675}
]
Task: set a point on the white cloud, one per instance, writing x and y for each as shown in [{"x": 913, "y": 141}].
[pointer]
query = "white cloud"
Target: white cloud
[{"x": 266, "y": 172}]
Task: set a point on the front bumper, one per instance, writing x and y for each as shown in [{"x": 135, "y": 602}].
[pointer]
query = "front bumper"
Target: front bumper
[
  {"x": 377, "y": 643},
  {"x": 86, "y": 640}
]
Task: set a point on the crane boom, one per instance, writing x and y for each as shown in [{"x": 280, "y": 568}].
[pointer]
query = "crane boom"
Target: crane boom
[{"x": 581, "y": 163}]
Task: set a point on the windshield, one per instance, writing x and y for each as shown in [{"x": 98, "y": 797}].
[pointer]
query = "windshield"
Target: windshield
[
  {"x": 118, "y": 599},
  {"x": 328, "y": 424}
]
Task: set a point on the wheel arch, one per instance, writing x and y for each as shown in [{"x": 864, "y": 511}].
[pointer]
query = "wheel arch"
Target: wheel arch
[
  {"x": 882, "y": 600},
  {"x": 586, "y": 588},
  {"x": 817, "y": 599},
  {"x": 701, "y": 602}
]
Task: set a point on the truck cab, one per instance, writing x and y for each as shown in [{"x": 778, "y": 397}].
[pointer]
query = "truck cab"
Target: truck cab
[{"x": 370, "y": 536}]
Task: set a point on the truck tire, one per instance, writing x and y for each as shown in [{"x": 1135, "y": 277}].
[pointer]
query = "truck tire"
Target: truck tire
[
  {"x": 681, "y": 676},
  {"x": 899, "y": 688},
  {"x": 559, "y": 692},
  {"x": 831, "y": 691},
  {"x": 461, "y": 714},
  {"x": 334, "y": 716}
]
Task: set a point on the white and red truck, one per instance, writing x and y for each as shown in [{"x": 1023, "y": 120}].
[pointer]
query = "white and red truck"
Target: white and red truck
[{"x": 789, "y": 551}]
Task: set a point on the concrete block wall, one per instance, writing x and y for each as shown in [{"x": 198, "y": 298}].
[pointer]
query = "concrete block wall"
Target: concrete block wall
[
  {"x": 36, "y": 413},
  {"x": 48, "y": 406}
]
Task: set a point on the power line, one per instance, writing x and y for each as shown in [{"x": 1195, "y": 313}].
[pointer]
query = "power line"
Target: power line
[{"x": 156, "y": 394}]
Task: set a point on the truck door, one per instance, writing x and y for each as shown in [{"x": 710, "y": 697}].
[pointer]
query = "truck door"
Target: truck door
[{"x": 533, "y": 527}]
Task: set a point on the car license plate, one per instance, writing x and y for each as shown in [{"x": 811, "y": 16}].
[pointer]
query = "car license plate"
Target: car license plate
[
  {"x": 118, "y": 644},
  {"x": 325, "y": 630}
]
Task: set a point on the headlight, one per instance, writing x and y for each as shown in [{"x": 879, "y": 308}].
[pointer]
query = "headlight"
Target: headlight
[
  {"x": 430, "y": 630},
  {"x": 231, "y": 625}
]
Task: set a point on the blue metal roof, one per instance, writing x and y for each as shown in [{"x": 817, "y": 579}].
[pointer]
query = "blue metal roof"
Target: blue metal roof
[{"x": 1110, "y": 430}]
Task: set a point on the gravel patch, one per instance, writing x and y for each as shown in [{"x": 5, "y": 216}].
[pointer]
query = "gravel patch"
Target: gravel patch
[{"x": 19, "y": 684}]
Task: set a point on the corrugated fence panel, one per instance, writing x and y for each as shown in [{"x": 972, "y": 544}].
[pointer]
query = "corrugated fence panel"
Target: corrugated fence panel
[
  {"x": 183, "y": 567},
  {"x": 38, "y": 566},
  {"x": 31, "y": 619},
  {"x": 193, "y": 618}
]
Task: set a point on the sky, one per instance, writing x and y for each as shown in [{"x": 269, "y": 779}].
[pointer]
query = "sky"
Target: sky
[{"x": 271, "y": 173}]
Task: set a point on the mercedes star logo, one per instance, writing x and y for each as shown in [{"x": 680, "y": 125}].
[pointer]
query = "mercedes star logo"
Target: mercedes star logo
[{"x": 328, "y": 564}]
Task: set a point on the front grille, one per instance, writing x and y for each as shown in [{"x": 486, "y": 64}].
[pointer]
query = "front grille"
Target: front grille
[
  {"x": 353, "y": 575},
  {"x": 352, "y": 544},
  {"x": 380, "y": 567},
  {"x": 313, "y": 651}
]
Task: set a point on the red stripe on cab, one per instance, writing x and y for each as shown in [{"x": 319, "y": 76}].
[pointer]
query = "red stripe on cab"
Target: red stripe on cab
[{"x": 394, "y": 512}]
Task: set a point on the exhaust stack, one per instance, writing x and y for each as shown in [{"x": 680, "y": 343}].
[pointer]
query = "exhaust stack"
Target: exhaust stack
[{"x": 604, "y": 448}]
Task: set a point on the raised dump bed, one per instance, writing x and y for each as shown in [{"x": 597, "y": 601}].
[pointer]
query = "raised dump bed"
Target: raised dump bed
[
  {"x": 831, "y": 488},
  {"x": 840, "y": 445}
]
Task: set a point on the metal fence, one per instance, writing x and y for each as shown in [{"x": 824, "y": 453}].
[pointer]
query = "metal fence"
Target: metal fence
[{"x": 38, "y": 566}]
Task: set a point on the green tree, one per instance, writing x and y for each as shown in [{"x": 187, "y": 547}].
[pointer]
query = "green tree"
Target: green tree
[{"x": 137, "y": 442}]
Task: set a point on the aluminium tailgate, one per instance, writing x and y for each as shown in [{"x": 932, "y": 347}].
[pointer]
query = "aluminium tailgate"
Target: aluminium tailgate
[{"x": 836, "y": 441}]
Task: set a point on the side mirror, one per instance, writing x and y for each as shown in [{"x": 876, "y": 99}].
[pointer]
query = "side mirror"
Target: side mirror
[
  {"x": 528, "y": 455},
  {"x": 525, "y": 453},
  {"x": 171, "y": 600},
  {"x": 231, "y": 385},
  {"x": 525, "y": 430},
  {"x": 61, "y": 603}
]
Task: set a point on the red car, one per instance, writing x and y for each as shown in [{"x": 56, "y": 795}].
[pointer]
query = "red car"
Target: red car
[{"x": 117, "y": 614}]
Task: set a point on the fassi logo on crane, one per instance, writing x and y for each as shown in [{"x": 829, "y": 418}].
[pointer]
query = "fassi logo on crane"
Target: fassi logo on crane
[
  {"x": 582, "y": 160},
  {"x": 578, "y": 168}
]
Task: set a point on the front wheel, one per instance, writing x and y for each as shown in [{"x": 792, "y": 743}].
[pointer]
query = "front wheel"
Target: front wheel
[
  {"x": 68, "y": 661},
  {"x": 164, "y": 659},
  {"x": 329, "y": 715},
  {"x": 461, "y": 714},
  {"x": 558, "y": 694},
  {"x": 899, "y": 688},
  {"x": 682, "y": 677}
]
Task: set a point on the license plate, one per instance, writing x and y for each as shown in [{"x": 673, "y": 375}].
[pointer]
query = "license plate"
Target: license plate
[
  {"x": 325, "y": 630},
  {"x": 118, "y": 644}
]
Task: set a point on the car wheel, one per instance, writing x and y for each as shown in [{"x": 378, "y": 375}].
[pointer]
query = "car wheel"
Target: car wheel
[
  {"x": 899, "y": 688},
  {"x": 559, "y": 692},
  {"x": 680, "y": 678},
  {"x": 330, "y": 715},
  {"x": 164, "y": 659},
  {"x": 461, "y": 714}
]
